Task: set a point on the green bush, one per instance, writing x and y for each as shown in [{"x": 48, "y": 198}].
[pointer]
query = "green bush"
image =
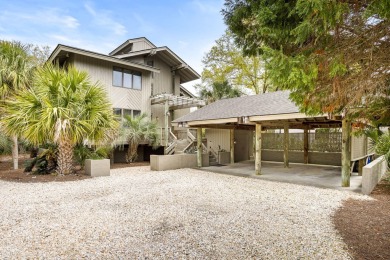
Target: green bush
[
  {"x": 45, "y": 162},
  {"x": 82, "y": 152},
  {"x": 382, "y": 146}
]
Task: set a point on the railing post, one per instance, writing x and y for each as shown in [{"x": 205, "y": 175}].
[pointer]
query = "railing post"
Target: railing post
[
  {"x": 231, "y": 146},
  {"x": 199, "y": 146},
  {"x": 286, "y": 145},
  {"x": 258, "y": 149},
  {"x": 306, "y": 145}
]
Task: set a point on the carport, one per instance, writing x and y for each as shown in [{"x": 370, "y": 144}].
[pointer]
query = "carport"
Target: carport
[
  {"x": 259, "y": 113},
  {"x": 323, "y": 176}
]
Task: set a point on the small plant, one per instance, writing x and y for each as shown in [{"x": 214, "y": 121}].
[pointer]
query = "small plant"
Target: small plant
[
  {"x": 82, "y": 152},
  {"x": 45, "y": 162},
  {"x": 382, "y": 147}
]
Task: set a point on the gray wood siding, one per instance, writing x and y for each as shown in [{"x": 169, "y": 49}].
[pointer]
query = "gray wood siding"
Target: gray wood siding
[
  {"x": 359, "y": 147},
  {"x": 217, "y": 137},
  {"x": 141, "y": 45},
  {"x": 101, "y": 71},
  {"x": 180, "y": 112},
  {"x": 177, "y": 85},
  {"x": 243, "y": 148},
  {"x": 162, "y": 81},
  {"x": 137, "y": 59},
  {"x": 158, "y": 114}
]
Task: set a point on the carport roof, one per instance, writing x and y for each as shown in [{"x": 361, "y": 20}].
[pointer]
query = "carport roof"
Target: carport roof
[
  {"x": 272, "y": 110},
  {"x": 273, "y": 103}
]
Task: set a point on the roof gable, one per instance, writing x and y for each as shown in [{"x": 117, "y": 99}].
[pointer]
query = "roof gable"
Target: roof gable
[
  {"x": 168, "y": 56},
  {"x": 63, "y": 48},
  {"x": 129, "y": 43}
]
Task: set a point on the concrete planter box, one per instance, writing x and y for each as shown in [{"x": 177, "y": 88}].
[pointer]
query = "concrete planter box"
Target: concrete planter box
[
  {"x": 223, "y": 157},
  {"x": 372, "y": 174},
  {"x": 176, "y": 161},
  {"x": 96, "y": 168}
]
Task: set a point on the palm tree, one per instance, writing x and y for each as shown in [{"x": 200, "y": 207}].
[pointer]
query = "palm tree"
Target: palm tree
[
  {"x": 218, "y": 90},
  {"x": 63, "y": 107},
  {"x": 136, "y": 130},
  {"x": 15, "y": 74}
]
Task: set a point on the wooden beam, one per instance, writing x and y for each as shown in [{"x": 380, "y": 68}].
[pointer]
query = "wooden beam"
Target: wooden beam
[
  {"x": 213, "y": 121},
  {"x": 346, "y": 153},
  {"x": 231, "y": 146},
  {"x": 306, "y": 145},
  {"x": 199, "y": 146},
  {"x": 361, "y": 165},
  {"x": 258, "y": 149},
  {"x": 281, "y": 117},
  {"x": 285, "y": 145},
  {"x": 225, "y": 126}
]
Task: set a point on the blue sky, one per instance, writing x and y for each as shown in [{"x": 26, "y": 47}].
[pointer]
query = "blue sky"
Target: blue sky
[{"x": 189, "y": 28}]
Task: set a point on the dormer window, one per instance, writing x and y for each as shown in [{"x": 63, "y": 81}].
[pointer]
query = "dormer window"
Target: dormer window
[{"x": 126, "y": 78}]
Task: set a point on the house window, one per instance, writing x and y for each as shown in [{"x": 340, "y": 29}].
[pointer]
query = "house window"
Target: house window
[
  {"x": 122, "y": 112},
  {"x": 126, "y": 112},
  {"x": 136, "y": 113},
  {"x": 117, "y": 77},
  {"x": 126, "y": 78},
  {"x": 137, "y": 80}
]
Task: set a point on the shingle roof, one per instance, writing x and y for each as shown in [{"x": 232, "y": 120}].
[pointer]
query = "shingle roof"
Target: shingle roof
[{"x": 257, "y": 105}]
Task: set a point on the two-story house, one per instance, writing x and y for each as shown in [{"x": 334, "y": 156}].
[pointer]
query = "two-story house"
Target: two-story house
[{"x": 139, "y": 77}]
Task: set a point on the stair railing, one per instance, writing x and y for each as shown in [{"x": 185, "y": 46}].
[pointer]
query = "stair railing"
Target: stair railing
[{"x": 213, "y": 153}]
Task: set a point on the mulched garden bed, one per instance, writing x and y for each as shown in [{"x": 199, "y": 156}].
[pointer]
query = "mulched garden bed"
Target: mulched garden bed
[
  {"x": 7, "y": 173},
  {"x": 365, "y": 225}
]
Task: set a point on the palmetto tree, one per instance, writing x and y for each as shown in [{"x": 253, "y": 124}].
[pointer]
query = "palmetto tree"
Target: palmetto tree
[
  {"x": 64, "y": 107},
  {"x": 136, "y": 130},
  {"x": 15, "y": 74}
]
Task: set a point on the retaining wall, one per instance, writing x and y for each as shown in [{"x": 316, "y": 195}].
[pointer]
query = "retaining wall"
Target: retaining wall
[
  {"x": 372, "y": 174},
  {"x": 176, "y": 161}
]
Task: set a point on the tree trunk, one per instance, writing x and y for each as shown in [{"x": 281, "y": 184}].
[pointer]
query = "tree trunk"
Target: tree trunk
[
  {"x": 65, "y": 156},
  {"x": 15, "y": 152},
  {"x": 132, "y": 152}
]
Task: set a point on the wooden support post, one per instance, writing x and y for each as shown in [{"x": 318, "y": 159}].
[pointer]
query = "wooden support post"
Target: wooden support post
[
  {"x": 232, "y": 146},
  {"x": 285, "y": 145},
  {"x": 346, "y": 153},
  {"x": 199, "y": 146},
  {"x": 258, "y": 149},
  {"x": 306, "y": 145},
  {"x": 361, "y": 165},
  {"x": 166, "y": 124}
]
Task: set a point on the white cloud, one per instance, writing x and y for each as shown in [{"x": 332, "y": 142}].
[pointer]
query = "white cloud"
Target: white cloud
[
  {"x": 48, "y": 17},
  {"x": 103, "y": 18},
  {"x": 64, "y": 39}
]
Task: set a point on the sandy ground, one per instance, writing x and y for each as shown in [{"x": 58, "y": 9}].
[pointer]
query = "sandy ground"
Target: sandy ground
[{"x": 173, "y": 214}]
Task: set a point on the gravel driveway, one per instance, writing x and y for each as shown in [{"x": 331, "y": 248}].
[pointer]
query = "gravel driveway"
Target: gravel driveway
[{"x": 173, "y": 214}]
